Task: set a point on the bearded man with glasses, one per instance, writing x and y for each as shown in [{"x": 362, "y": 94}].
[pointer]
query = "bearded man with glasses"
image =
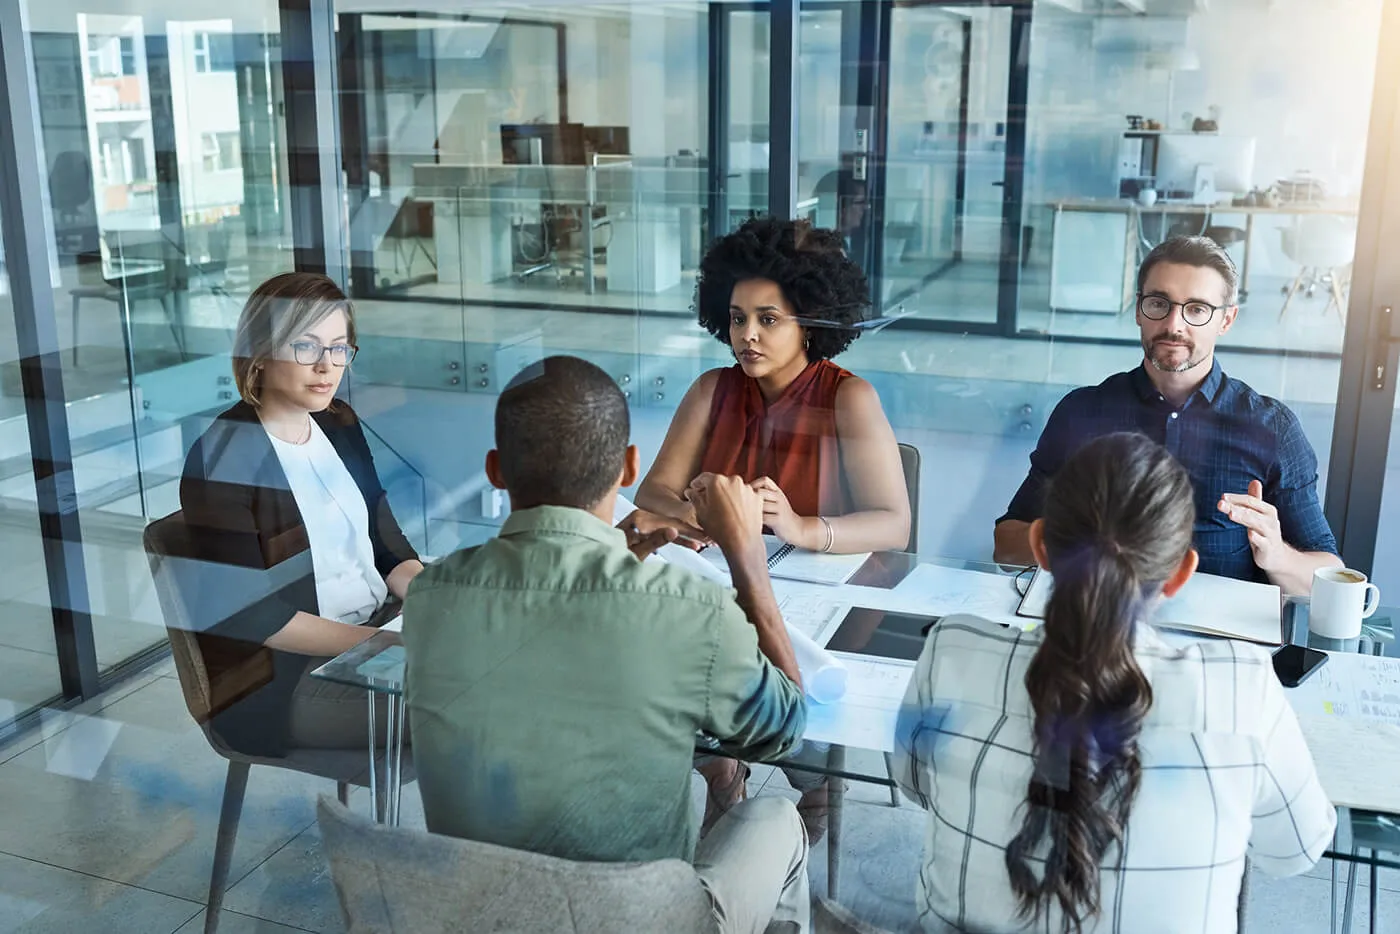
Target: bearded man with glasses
[{"x": 1252, "y": 469}]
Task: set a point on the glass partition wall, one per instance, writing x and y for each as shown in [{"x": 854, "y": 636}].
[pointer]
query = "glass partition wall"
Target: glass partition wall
[{"x": 516, "y": 179}]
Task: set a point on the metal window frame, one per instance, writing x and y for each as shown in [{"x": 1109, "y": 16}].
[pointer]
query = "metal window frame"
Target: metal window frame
[
  {"x": 320, "y": 235},
  {"x": 25, "y": 233},
  {"x": 1361, "y": 428},
  {"x": 784, "y": 34}
]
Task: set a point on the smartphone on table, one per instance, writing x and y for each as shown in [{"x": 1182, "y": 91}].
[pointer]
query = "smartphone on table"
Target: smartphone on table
[{"x": 1294, "y": 664}]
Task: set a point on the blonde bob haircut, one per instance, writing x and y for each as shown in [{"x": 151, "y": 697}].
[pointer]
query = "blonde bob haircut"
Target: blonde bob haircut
[{"x": 277, "y": 312}]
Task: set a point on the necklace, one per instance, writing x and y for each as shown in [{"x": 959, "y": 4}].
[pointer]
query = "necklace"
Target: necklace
[{"x": 302, "y": 437}]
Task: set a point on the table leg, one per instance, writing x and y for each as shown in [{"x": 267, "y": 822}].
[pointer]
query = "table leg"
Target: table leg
[
  {"x": 1244, "y": 270},
  {"x": 835, "y": 798},
  {"x": 373, "y": 755},
  {"x": 1332, "y": 898},
  {"x": 1374, "y": 873},
  {"x": 396, "y": 790},
  {"x": 1350, "y": 902},
  {"x": 391, "y": 723}
]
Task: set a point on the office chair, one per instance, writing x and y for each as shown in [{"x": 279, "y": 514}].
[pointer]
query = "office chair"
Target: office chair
[
  {"x": 147, "y": 280},
  {"x": 169, "y": 546},
  {"x": 411, "y": 226},
  {"x": 1323, "y": 246}
]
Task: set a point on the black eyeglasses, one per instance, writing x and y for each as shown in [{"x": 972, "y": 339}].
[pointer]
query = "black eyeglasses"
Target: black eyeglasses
[
  {"x": 309, "y": 353},
  {"x": 1157, "y": 307}
]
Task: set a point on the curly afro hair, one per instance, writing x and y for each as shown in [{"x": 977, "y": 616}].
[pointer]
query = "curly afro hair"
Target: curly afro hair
[{"x": 808, "y": 263}]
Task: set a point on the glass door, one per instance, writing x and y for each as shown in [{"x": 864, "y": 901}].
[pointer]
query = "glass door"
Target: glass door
[
  {"x": 1363, "y": 501},
  {"x": 921, "y": 163}
]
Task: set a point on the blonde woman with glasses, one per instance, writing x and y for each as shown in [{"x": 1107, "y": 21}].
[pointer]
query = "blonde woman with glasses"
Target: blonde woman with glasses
[{"x": 285, "y": 471}]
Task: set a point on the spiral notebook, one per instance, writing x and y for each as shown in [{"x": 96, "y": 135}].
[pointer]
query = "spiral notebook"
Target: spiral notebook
[{"x": 792, "y": 563}]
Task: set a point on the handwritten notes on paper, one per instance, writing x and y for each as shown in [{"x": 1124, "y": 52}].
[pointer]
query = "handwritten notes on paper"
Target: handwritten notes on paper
[
  {"x": 938, "y": 591},
  {"x": 814, "y": 615},
  {"x": 1349, "y": 712},
  {"x": 865, "y": 717},
  {"x": 1364, "y": 687}
]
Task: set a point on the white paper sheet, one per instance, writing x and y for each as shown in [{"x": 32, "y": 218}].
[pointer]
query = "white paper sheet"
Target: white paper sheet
[
  {"x": 816, "y": 616},
  {"x": 394, "y": 625},
  {"x": 1349, "y": 712},
  {"x": 824, "y": 678},
  {"x": 1357, "y": 761},
  {"x": 1350, "y": 686},
  {"x": 932, "y": 590},
  {"x": 811, "y": 619},
  {"x": 697, "y": 564},
  {"x": 865, "y": 717}
]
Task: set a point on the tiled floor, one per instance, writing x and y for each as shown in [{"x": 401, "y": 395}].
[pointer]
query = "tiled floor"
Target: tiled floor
[{"x": 110, "y": 814}]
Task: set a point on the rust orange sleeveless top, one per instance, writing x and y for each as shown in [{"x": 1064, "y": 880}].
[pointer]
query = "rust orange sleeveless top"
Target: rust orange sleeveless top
[{"x": 792, "y": 441}]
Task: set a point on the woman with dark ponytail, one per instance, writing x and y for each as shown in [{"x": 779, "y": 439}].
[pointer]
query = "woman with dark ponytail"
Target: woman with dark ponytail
[{"x": 1088, "y": 776}]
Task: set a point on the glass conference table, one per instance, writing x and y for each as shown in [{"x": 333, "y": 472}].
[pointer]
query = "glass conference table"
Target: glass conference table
[{"x": 1371, "y": 839}]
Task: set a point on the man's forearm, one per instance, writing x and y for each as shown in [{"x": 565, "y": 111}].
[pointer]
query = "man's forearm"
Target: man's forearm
[
  {"x": 749, "y": 569},
  {"x": 1012, "y": 542},
  {"x": 1295, "y": 575}
]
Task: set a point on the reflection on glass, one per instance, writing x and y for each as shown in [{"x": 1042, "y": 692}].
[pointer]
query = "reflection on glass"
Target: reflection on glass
[
  {"x": 165, "y": 185},
  {"x": 29, "y": 673}
]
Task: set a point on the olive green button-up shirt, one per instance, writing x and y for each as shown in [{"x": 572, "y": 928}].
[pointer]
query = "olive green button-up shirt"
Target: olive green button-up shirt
[{"x": 555, "y": 685}]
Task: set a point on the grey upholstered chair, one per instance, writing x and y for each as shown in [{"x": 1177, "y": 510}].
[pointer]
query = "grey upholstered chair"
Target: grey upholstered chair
[
  {"x": 391, "y": 879},
  {"x": 168, "y": 544},
  {"x": 911, "y": 460}
]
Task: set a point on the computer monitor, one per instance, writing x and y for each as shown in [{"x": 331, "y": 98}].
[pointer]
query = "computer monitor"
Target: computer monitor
[{"x": 1198, "y": 165}]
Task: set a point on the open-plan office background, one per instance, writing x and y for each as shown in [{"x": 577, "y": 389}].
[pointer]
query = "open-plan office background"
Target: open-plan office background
[{"x": 497, "y": 181}]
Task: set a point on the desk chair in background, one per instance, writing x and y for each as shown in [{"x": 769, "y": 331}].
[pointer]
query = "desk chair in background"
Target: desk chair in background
[
  {"x": 148, "y": 280},
  {"x": 1323, "y": 246},
  {"x": 411, "y": 227},
  {"x": 168, "y": 542}
]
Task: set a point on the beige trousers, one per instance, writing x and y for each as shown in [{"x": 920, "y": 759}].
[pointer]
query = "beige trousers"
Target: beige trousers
[{"x": 753, "y": 864}]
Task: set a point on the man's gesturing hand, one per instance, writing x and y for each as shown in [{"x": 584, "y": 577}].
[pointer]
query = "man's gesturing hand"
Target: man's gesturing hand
[{"x": 1261, "y": 521}]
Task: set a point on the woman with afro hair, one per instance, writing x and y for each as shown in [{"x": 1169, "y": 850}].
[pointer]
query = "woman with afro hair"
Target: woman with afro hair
[{"x": 811, "y": 438}]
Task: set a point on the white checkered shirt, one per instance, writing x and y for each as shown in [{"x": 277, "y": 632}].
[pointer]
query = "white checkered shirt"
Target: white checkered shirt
[{"x": 1225, "y": 774}]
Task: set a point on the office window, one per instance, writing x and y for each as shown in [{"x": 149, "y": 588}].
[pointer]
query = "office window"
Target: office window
[
  {"x": 111, "y": 56},
  {"x": 220, "y": 151},
  {"x": 213, "y": 51}
]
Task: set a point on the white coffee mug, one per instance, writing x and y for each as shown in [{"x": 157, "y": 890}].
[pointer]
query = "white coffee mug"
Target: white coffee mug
[{"x": 1341, "y": 599}]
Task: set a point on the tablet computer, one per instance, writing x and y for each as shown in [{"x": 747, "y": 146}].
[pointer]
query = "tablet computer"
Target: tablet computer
[{"x": 864, "y": 631}]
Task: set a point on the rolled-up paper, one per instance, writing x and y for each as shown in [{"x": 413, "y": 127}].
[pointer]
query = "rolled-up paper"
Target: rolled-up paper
[{"x": 823, "y": 677}]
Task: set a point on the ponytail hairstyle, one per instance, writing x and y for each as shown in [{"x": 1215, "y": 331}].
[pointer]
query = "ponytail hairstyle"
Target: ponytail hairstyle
[{"x": 1118, "y": 520}]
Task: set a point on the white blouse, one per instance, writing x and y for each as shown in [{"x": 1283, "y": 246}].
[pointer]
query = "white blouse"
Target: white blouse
[
  {"x": 1225, "y": 775},
  {"x": 349, "y": 587}
]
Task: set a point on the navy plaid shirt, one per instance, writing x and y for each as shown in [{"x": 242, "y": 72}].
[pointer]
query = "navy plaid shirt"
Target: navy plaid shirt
[{"x": 1225, "y": 436}]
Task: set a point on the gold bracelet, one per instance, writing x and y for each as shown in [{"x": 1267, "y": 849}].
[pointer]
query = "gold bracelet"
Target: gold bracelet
[{"x": 830, "y": 535}]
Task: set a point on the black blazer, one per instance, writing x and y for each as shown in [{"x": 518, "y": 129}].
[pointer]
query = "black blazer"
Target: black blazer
[{"x": 242, "y": 516}]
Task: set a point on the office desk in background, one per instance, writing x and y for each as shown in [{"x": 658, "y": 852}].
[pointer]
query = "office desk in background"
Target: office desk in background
[{"x": 1095, "y": 248}]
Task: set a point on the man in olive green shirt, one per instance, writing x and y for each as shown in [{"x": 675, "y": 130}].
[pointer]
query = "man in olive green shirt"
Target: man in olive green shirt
[{"x": 556, "y": 682}]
